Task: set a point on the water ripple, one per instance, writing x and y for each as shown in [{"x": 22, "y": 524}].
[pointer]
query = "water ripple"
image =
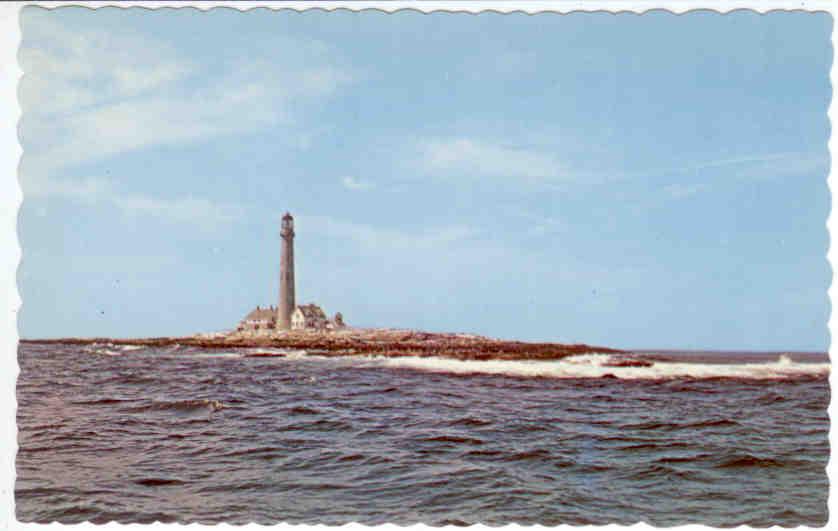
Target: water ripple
[{"x": 142, "y": 435}]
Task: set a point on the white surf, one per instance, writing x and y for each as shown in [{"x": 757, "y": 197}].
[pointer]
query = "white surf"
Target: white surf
[{"x": 597, "y": 366}]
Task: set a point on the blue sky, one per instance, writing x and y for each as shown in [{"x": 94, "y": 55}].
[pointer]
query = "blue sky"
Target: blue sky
[{"x": 630, "y": 181}]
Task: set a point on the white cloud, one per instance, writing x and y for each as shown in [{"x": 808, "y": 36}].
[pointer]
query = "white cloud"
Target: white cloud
[
  {"x": 738, "y": 161},
  {"x": 782, "y": 165},
  {"x": 190, "y": 210},
  {"x": 66, "y": 71},
  {"x": 90, "y": 94},
  {"x": 111, "y": 129},
  {"x": 351, "y": 183},
  {"x": 479, "y": 158},
  {"x": 723, "y": 172}
]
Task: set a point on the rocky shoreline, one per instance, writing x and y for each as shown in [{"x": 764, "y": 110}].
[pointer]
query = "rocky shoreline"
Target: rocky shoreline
[{"x": 380, "y": 342}]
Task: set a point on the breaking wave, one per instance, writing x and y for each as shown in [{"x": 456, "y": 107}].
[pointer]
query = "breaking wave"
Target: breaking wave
[
  {"x": 107, "y": 349},
  {"x": 111, "y": 349},
  {"x": 128, "y": 348},
  {"x": 608, "y": 366}
]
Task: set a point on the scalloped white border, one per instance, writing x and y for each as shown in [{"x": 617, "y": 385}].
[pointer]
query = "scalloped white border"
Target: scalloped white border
[
  {"x": 474, "y": 6},
  {"x": 11, "y": 197}
]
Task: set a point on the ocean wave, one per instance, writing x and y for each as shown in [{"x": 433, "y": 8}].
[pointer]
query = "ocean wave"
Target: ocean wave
[
  {"x": 181, "y": 406},
  {"x": 110, "y": 349},
  {"x": 303, "y": 410},
  {"x": 158, "y": 482},
  {"x": 655, "y": 426},
  {"x": 130, "y": 378},
  {"x": 107, "y": 349},
  {"x": 529, "y": 455},
  {"x": 453, "y": 439},
  {"x": 102, "y": 401},
  {"x": 269, "y": 352},
  {"x": 471, "y": 422},
  {"x": 604, "y": 365},
  {"x": 216, "y": 355},
  {"x": 129, "y": 348},
  {"x": 748, "y": 460},
  {"x": 270, "y": 451}
]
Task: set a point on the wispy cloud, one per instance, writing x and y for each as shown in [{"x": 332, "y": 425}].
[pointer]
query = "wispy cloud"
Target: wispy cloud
[
  {"x": 351, "y": 183},
  {"x": 726, "y": 171},
  {"x": 472, "y": 157},
  {"x": 90, "y": 94},
  {"x": 754, "y": 165},
  {"x": 190, "y": 210},
  {"x": 68, "y": 71},
  {"x": 781, "y": 165}
]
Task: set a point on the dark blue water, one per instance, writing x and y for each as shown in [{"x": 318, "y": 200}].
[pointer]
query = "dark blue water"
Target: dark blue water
[{"x": 136, "y": 435}]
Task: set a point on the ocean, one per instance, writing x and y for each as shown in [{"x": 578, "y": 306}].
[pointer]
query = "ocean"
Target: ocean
[{"x": 132, "y": 434}]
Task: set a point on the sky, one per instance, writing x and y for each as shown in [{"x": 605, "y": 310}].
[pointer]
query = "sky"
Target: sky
[{"x": 635, "y": 181}]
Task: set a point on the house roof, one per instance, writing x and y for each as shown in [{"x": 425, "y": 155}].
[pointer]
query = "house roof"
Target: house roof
[
  {"x": 261, "y": 314},
  {"x": 311, "y": 311}
]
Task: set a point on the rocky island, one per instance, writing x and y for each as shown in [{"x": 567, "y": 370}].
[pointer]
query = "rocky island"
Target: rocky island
[{"x": 366, "y": 341}]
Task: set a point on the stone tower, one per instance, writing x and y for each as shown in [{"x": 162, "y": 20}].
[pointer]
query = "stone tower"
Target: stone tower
[{"x": 286, "y": 274}]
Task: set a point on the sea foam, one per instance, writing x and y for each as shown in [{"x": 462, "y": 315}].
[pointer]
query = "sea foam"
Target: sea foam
[{"x": 599, "y": 365}]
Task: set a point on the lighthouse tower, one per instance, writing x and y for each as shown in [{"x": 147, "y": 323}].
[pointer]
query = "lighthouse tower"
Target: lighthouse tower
[{"x": 286, "y": 274}]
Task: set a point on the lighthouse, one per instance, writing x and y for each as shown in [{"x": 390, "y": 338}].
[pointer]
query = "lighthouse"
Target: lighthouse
[{"x": 286, "y": 274}]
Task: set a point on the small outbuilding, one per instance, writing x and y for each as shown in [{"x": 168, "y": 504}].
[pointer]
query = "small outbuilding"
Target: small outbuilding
[
  {"x": 259, "y": 319},
  {"x": 308, "y": 316}
]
